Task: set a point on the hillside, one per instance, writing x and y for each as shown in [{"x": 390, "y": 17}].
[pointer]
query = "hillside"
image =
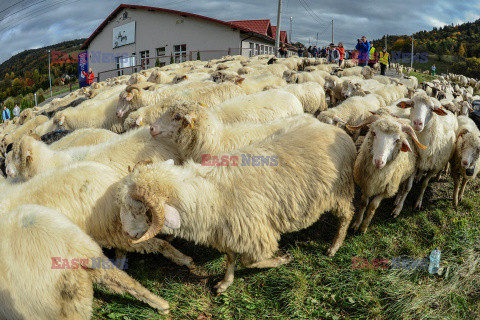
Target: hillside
[
  {"x": 453, "y": 48},
  {"x": 27, "y": 71}
]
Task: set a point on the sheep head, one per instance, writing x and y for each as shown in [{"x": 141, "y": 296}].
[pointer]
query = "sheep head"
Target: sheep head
[
  {"x": 468, "y": 148},
  {"x": 146, "y": 206},
  {"x": 179, "y": 120},
  {"x": 127, "y": 101},
  {"x": 367, "y": 72},
  {"x": 423, "y": 108},
  {"x": 290, "y": 76},
  {"x": 179, "y": 78},
  {"x": 386, "y": 138},
  {"x": 331, "y": 117},
  {"x": 59, "y": 121}
]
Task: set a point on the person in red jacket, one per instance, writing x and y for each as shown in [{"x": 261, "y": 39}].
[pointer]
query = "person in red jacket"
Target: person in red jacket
[
  {"x": 90, "y": 76},
  {"x": 341, "y": 50}
]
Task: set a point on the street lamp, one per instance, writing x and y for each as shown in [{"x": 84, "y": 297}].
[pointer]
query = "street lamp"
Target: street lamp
[{"x": 49, "y": 74}]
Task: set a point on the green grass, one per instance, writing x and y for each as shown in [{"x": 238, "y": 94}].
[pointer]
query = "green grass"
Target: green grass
[
  {"x": 67, "y": 89},
  {"x": 443, "y": 65},
  {"x": 314, "y": 286}
]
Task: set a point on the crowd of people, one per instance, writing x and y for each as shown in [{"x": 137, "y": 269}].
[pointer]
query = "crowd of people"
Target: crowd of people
[{"x": 365, "y": 53}]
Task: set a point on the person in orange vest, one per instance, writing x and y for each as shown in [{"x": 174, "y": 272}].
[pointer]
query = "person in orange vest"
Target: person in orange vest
[{"x": 90, "y": 76}]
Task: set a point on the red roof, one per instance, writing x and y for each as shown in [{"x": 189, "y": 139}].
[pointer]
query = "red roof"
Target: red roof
[
  {"x": 262, "y": 28},
  {"x": 259, "y": 26},
  {"x": 283, "y": 34}
]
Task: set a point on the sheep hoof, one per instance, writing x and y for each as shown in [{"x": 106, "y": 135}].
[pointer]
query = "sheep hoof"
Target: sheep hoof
[
  {"x": 396, "y": 212},
  {"x": 418, "y": 205},
  {"x": 356, "y": 225},
  {"x": 222, "y": 286}
]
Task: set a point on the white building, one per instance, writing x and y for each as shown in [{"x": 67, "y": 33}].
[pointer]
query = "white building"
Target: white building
[{"x": 138, "y": 37}]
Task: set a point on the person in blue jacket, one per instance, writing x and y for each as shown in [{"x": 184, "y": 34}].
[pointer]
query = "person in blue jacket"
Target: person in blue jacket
[
  {"x": 5, "y": 114},
  {"x": 364, "y": 51}
]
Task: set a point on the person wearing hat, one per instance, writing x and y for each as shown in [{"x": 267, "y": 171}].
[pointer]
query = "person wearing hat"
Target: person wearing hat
[
  {"x": 384, "y": 57},
  {"x": 333, "y": 54}
]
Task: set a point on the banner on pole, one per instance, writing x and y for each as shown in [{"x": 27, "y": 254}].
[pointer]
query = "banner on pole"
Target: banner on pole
[{"x": 82, "y": 67}]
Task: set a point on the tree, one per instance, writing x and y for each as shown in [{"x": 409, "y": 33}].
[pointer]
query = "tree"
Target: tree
[
  {"x": 157, "y": 63},
  {"x": 171, "y": 58},
  {"x": 461, "y": 50},
  {"x": 198, "y": 55}
]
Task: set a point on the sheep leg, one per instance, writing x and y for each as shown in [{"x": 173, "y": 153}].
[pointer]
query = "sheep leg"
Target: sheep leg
[
  {"x": 418, "y": 205},
  {"x": 229, "y": 275},
  {"x": 456, "y": 189},
  {"x": 405, "y": 191},
  {"x": 156, "y": 245},
  {"x": 371, "y": 211},
  {"x": 267, "y": 263},
  {"x": 363, "y": 207},
  {"x": 419, "y": 175},
  {"x": 119, "y": 282},
  {"x": 344, "y": 219},
  {"x": 399, "y": 194},
  {"x": 121, "y": 257},
  {"x": 462, "y": 189}
]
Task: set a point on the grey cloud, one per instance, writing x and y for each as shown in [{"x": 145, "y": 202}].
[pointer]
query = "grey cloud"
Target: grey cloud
[{"x": 74, "y": 19}]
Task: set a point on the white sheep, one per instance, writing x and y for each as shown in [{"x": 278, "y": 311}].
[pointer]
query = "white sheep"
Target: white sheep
[
  {"x": 287, "y": 191},
  {"x": 198, "y": 132},
  {"x": 310, "y": 94},
  {"x": 32, "y": 157},
  {"x": 435, "y": 128},
  {"x": 385, "y": 161},
  {"x": 465, "y": 162},
  {"x": 85, "y": 194},
  {"x": 83, "y": 137},
  {"x": 49, "y": 266},
  {"x": 95, "y": 113}
]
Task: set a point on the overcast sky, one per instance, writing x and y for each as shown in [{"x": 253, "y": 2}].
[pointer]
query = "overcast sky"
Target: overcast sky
[{"x": 27, "y": 24}]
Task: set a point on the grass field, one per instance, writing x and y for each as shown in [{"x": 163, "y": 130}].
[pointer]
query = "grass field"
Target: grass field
[
  {"x": 443, "y": 65},
  {"x": 314, "y": 286}
]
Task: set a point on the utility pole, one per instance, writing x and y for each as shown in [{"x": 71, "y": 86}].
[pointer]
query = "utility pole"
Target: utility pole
[
  {"x": 290, "y": 34},
  {"x": 386, "y": 41},
  {"x": 411, "y": 58},
  {"x": 316, "y": 43},
  {"x": 332, "y": 32},
  {"x": 277, "y": 35},
  {"x": 49, "y": 74}
]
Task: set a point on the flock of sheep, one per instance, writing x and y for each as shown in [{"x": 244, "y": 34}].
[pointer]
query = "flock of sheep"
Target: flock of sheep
[{"x": 229, "y": 153}]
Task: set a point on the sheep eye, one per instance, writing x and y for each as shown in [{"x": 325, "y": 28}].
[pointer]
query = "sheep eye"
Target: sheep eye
[{"x": 177, "y": 117}]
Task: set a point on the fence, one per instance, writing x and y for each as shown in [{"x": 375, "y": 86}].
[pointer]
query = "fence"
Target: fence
[{"x": 150, "y": 62}]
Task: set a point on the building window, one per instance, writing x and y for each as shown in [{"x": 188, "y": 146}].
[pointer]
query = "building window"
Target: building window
[
  {"x": 257, "y": 49},
  {"x": 252, "y": 47},
  {"x": 180, "y": 53},
  {"x": 144, "y": 59},
  {"x": 160, "y": 52},
  {"x": 124, "y": 62}
]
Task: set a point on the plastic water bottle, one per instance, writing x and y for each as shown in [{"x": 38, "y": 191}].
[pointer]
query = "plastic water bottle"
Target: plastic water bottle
[{"x": 434, "y": 261}]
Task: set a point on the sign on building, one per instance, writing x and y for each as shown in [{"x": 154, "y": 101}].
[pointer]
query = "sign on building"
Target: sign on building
[
  {"x": 124, "y": 35},
  {"x": 82, "y": 67}
]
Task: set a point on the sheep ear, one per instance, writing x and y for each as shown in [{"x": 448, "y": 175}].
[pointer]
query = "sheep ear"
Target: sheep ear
[
  {"x": 405, "y": 104},
  {"x": 462, "y": 133},
  {"x": 239, "y": 81},
  {"x": 367, "y": 92},
  {"x": 139, "y": 121},
  {"x": 170, "y": 162},
  {"x": 190, "y": 120},
  {"x": 172, "y": 217},
  {"x": 129, "y": 96},
  {"x": 28, "y": 156},
  {"x": 406, "y": 146},
  {"x": 440, "y": 111}
]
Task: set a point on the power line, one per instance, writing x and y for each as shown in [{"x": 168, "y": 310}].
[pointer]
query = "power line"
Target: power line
[
  {"x": 33, "y": 13},
  {"x": 13, "y": 5},
  {"x": 23, "y": 9},
  {"x": 319, "y": 19},
  {"x": 310, "y": 12}
]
